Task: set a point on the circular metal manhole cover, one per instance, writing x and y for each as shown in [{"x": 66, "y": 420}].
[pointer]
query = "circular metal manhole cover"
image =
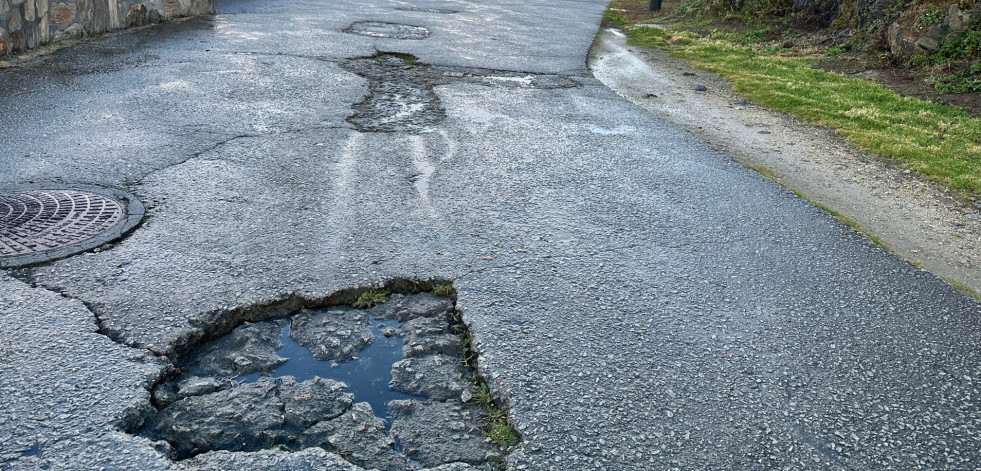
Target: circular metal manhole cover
[
  {"x": 38, "y": 225},
  {"x": 378, "y": 29}
]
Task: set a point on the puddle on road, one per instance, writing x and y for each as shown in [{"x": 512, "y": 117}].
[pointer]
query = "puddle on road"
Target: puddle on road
[
  {"x": 366, "y": 377},
  {"x": 377, "y": 386}
]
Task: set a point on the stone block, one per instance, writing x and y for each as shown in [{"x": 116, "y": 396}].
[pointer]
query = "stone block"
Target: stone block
[
  {"x": 202, "y": 7},
  {"x": 14, "y": 23},
  {"x": 930, "y": 41},
  {"x": 86, "y": 15},
  {"x": 137, "y": 15},
  {"x": 898, "y": 44},
  {"x": 927, "y": 44},
  {"x": 43, "y": 30},
  {"x": 29, "y": 12},
  {"x": 17, "y": 41},
  {"x": 170, "y": 9},
  {"x": 72, "y": 32},
  {"x": 42, "y": 7},
  {"x": 115, "y": 16},
  {"x": 16, "y": 2},
  {"x": 3, "y": 48},
  {"x": 62, "y": 13},
  {"x": 4, "y": 6},
  {"x": 31, "y": 32}
]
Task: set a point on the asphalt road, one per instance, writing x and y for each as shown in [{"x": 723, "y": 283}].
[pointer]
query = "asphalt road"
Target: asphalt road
[{"x": 639, "y": 300}]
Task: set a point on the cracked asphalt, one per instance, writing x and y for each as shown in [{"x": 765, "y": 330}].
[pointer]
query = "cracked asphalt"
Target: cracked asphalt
[{"x": 639, "y": 300}]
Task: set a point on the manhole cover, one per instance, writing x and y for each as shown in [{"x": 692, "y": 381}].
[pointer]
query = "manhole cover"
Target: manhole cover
[
  {"x": 377, "y": 29},
  {"x": 38, "y": 225}
]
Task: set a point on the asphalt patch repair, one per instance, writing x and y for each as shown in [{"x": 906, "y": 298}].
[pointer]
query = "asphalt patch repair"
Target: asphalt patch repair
[
  {"x": 402, "y": 97},
  {"x": 235, "y": 392}
]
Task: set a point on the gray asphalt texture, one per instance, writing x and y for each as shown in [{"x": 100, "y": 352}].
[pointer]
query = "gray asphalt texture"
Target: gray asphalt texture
[{"x": 639, "y": 300}]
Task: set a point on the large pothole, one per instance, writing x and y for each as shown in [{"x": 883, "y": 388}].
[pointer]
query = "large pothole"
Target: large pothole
[
  {"x": 440, "y": 11},
  {"x": 402, "y": 97},
  {"x": 380, "y": 29},
  {"x": 390, "y": 387}
]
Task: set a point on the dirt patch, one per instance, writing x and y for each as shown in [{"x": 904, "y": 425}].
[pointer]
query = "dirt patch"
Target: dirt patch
[{"x": 916, "y": 219}]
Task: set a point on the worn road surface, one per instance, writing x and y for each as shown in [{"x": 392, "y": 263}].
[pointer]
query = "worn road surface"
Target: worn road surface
[{"x": 638, "y": 299}]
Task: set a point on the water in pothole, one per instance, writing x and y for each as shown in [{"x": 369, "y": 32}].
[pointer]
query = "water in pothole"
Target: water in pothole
[
  {"x": 367, "y": 377},
  {"x": 324, "y": 379}
]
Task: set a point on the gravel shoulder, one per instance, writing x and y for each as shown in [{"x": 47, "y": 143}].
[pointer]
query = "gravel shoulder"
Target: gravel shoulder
[{"x": 916, "y": 219}]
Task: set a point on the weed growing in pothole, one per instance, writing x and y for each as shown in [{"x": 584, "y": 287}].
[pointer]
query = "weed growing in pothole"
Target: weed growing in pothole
[
  {"x": 370, "y": 298},
  {"x": 495, "y": 419},
  {"x": 444, "y": 290},
  {"x": 409, "y": 59}
]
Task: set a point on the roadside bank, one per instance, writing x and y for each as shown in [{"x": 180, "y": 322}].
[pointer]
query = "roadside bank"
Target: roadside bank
[{"x": 916, "y": 219}]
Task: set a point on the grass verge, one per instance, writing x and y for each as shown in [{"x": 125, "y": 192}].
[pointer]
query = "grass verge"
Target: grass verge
[{"x": 938, "y": 142}]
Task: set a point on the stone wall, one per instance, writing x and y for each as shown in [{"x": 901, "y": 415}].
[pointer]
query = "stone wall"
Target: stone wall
[{"x": 27, "y": 24}]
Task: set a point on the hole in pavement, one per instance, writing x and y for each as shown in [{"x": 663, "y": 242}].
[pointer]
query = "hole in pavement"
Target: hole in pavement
[
  {"x": 402, "y": 97},
  {"x": 441, "y": 11},
  {"x": 389, "y": 385},
  {"x": 379, "y": 29}
]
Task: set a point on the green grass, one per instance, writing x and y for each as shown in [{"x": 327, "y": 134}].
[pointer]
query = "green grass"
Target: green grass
[
  {"x": 370, "y": 298},
  {"x": 409, "y": 59},
  {"x": 938, "y": 142},
  {"x": 444, "y": 290},
  {"x": 614, "y": 16},
  {"x": 496, "y": 426},
  {"x": 964, "y": 289}
]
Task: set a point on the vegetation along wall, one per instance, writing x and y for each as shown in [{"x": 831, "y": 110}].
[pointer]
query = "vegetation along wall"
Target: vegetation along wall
[{"x": 27, "y": 24}]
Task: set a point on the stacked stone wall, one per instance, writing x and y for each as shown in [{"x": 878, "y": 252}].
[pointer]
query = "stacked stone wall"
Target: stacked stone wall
[{"x": 27, "y": 24}]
